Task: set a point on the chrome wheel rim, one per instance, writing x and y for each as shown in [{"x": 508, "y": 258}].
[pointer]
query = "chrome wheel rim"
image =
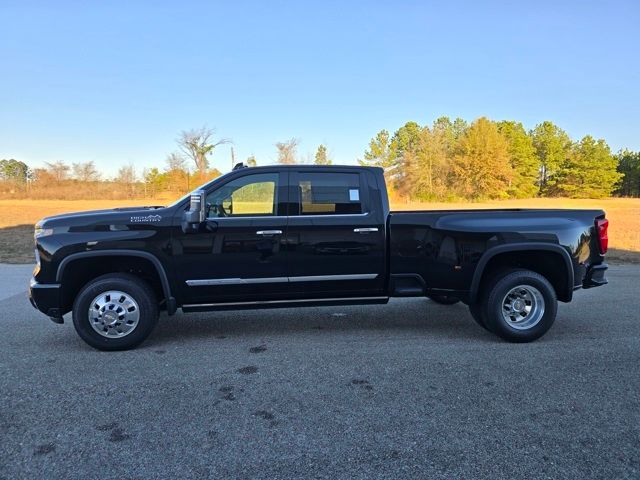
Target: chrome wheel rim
[
  {"x": 114, "y": 314},
  {"x": 523, "y": 307}
]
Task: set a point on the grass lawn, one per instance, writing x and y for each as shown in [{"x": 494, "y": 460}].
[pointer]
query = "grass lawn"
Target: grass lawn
[{"x": 18, "y": 216}]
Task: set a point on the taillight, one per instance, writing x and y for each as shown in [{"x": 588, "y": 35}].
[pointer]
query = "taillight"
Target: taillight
[{"x": 602, "y": 226}]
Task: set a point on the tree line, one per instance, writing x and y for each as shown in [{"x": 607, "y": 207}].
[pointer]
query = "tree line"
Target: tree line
[
  {"x": 450, "y": 160},
  {"x": 184, "y": 169},
  {"x": 447, "y": 160}
]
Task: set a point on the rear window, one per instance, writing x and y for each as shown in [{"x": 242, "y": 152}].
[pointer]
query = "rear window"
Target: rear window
[{"x": 329, "y": 193}]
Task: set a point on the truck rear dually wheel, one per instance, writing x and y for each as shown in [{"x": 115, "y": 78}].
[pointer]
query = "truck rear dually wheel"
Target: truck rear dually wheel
[
  {"x": 478, "y": 315},
  {"x": 115, "y": 312},
  {"x": 520, "y": 306}
]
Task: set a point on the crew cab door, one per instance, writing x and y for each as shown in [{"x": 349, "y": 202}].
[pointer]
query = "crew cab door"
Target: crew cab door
[
  {"x": 238, "y": 254},
  {"x": 336, "y": 235}
]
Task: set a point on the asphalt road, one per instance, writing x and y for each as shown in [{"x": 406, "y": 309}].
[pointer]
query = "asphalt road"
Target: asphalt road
[{"x": 407, "y": 390}]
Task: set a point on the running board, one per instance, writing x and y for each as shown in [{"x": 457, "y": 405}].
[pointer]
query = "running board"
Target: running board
[{"x": 307, "y": 302}]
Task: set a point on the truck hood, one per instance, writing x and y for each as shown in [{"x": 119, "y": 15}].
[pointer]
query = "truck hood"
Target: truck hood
[{"x": 120, "y": 216}]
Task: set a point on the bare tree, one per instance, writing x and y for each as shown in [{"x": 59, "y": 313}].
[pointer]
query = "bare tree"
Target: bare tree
[
  {"x": 175, "y": 161},
  {"x": 197, "y": 145},
  {"x": 127, "y": 177},
  {"x": 58, "y": 170},
  {"x": 287, "y": 151},
  {"x": 177, "y": 172},
  {"x": 85, "y": 172}
]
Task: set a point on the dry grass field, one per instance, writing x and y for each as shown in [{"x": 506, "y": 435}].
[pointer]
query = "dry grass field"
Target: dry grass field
[{"x": 18, "y": 216}]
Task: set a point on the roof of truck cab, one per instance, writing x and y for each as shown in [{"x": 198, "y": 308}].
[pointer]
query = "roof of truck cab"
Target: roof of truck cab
[{"x": 354, "y": 167}]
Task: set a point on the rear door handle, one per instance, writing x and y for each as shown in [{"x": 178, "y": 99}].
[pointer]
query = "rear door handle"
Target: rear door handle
[
  {"x": 269, "y": 232},
  {"x": 365, "y": 230}
]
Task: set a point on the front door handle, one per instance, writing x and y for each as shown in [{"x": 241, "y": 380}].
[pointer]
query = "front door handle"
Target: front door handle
[
  {"x": 269, "y": 232},
  {"x": 365, "y": 230}
]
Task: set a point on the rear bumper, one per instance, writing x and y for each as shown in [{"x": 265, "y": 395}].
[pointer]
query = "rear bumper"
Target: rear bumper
[
  {"x": 47, "y": 298},
  {"x": 595, "y": 276}
]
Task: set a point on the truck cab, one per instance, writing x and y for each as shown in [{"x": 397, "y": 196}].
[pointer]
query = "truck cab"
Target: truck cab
[{"x": 295, "y": 233}]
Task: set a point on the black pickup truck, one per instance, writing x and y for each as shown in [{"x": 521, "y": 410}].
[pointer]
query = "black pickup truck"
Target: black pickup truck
[{"x": 287, "y": 236}]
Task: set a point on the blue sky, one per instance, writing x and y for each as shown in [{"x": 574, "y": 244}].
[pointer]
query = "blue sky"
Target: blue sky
[{"x": 115, "y": 82}]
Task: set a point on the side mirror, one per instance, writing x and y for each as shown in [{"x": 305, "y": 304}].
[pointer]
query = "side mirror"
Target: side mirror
[{"x": 196, "y": 215}]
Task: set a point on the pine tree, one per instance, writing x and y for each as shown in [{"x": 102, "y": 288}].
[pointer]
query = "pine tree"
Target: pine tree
[
  {"x": 404, "y": 143},
  {"x": 321, "y": 157},
  {"x": 379, "y": 153},
  {"x": 523, "y": 160},
  {"x": 629, "y": 166},
  {"x": 552, "y": 146},
  {"x": 588, "y": 172},
  {"x": 405, "y": 139}
]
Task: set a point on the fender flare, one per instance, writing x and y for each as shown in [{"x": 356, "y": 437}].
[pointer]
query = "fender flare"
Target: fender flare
[
  {"x": 164, "y": 280},
  {"x": 520, "y": 247}
]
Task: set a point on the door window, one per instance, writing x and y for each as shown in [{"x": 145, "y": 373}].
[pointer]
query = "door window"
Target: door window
[
  {"x": 324, "y": 193},
  {"x": 253, "y": 195}
]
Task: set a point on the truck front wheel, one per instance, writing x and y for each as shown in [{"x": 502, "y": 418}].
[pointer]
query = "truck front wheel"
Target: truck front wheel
[
  {"x": 520, "y": 306},
  {"x": 115, "y": 312}
]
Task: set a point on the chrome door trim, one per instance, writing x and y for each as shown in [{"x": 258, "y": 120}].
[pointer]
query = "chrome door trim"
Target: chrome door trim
[
  {"x": 234, "y": 281},
  {"x": 307, "y": 278},
  {"x": 365, "y": 230},
  {"x": 275, "y": 302},
  {"x": 331, "y": 278},
  {"x": 269, "y": 232}
]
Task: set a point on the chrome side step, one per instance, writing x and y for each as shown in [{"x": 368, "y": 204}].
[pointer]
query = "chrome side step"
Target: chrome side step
[{"x": 284, "y": 303}]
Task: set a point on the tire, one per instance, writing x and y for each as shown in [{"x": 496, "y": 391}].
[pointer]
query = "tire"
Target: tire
[
  {"x": 476, "y": 312},
  {"x": 121, "y": 306},
  {"x": 520, "y": 306},
  {"x": 444, "y": 299}
]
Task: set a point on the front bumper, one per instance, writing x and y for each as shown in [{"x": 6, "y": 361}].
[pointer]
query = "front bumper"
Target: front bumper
[
  {"x": 595, "y": 276},
  {"x": 47, "y": 297}
]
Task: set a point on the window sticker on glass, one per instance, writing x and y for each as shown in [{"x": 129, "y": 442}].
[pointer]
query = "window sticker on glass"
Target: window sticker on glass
[{"x": 325, "y": 193}]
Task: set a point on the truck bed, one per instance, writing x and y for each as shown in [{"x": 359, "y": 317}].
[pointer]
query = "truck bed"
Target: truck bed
[{"x": 445, "y": 247}]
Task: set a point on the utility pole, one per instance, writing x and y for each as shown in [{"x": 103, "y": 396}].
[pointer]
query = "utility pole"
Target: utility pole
[{"x": 233, "y": 159}]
